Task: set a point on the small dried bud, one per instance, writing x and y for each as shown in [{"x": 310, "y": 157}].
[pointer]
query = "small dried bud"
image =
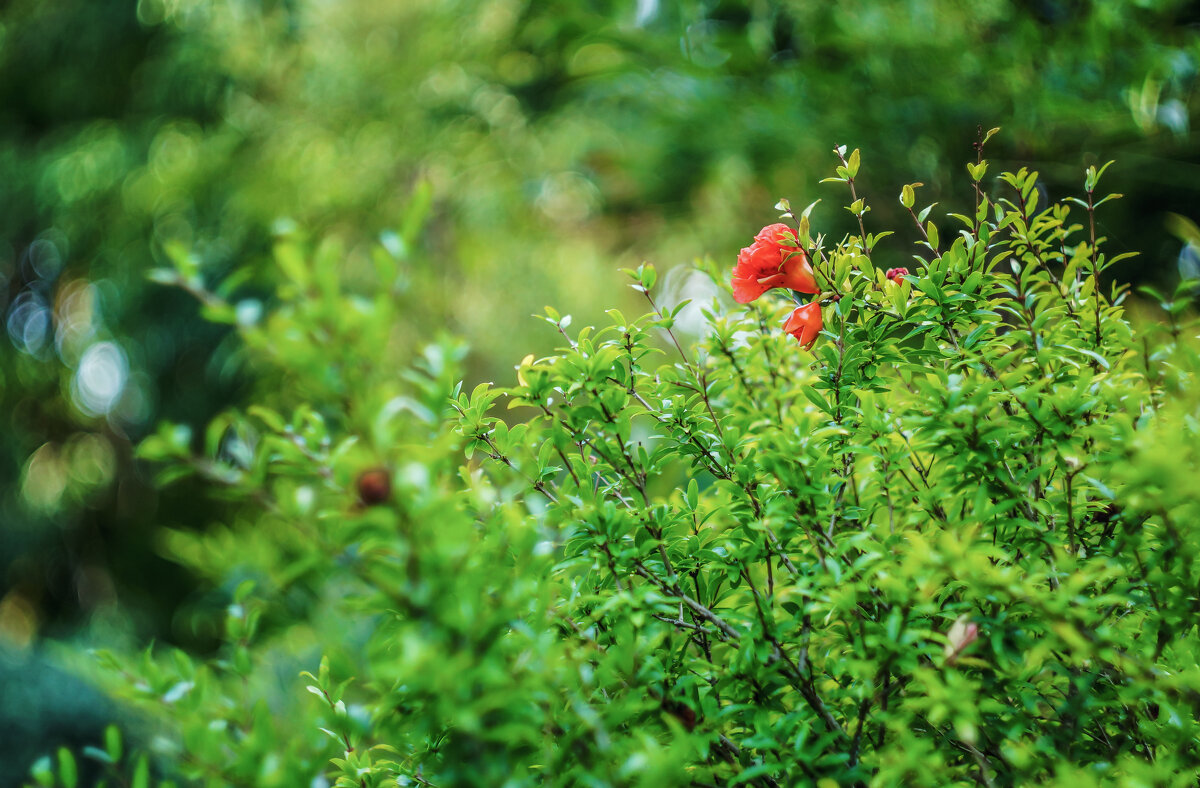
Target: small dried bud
[
  {"x": 374, "y": 487},
  {"x": 895, "y": 273}
]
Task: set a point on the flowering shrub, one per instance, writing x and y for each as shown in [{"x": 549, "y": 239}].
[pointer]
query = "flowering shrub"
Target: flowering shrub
[{"x": 948, "y": 545}]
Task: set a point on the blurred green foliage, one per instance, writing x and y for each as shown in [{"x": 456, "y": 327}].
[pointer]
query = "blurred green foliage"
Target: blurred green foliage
[{"x": 504, "y": 154}]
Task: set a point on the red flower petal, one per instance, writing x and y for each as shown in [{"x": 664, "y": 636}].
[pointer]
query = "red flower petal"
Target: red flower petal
[
  {"x": 798, "y": 273},
  {"x": 777, "y": 234}
]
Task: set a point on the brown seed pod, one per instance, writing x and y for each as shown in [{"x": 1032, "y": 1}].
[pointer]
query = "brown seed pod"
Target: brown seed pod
[{"x": 374, "y": 487}]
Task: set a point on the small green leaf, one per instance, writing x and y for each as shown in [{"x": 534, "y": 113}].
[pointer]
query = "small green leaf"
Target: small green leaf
[
  {"x": 648, "y": 276},
  {"x": 141, "y": 773},
  {"x": 68, "y": 772},
  {"x": 112, "y": 742}
]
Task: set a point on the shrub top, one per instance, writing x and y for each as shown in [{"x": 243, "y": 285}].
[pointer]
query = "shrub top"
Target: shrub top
[{"x": 948, "y": 544}]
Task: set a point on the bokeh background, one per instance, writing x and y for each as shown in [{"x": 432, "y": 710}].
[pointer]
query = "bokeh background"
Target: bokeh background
[{"x": 512, "y": 154}]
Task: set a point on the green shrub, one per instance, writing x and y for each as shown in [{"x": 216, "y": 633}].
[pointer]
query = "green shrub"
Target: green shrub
[{"x": 949, "y": 545}]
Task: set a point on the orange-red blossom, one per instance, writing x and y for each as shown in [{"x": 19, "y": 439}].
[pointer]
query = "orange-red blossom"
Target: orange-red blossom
[
  {"x": 775, "y": 259},
  {"x": 805, "y": 323}
]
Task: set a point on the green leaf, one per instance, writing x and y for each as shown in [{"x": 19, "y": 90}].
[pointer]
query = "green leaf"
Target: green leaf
[
  {"x": 815, "y": 398},
  {"x": 141, "y": 773},
  {"x": 753, "y": 772},
  {"x": 290, "y": 260},
  {"x": 68, "y": 772},
  {"x": 112, "y": 742},
  {"x": 417, "y": 212},
  {"x": 649, "y": 276}
]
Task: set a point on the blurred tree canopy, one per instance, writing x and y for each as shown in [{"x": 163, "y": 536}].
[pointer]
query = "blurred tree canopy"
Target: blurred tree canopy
[{"x": 510, "y": 154}]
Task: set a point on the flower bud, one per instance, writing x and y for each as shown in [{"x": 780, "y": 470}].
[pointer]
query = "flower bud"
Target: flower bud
[
  {"x": 805, "y": 323},
  {"x": 374, "y": 487},
  {"x": 963, "y": 633}
]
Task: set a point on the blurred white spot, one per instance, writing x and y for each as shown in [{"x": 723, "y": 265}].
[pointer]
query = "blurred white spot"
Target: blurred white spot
[
  {"x": 568, "y": 197},
  {"x": 100, "y": 378},
  {"x": 684, "y": 283},
  {"x": 1174, "y": 115},
  {"x": 284, "y": 226},
  {"x": 1189, "y": 262},
  {"x": 305, "y": 498},
  {"x": 177, "y": 692},
  {"x": 394, "y": 244},
  {"x": 646, "y": 11},
  {"x": 359, "y": 714},
  {"x": 415, "y": 475},
  {"x": 45, "y": 258},
  {"x": 29, "y": 322},
  {"x": 249, "y": 310}
]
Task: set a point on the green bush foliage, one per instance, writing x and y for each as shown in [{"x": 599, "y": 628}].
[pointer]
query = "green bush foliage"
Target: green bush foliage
[{"x": 949, "y": 545}]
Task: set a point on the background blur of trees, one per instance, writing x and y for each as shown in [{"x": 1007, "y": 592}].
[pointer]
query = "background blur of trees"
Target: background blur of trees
[{"x": 512, "y": 154}]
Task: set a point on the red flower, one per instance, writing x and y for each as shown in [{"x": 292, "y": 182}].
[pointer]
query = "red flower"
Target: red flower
[
  {"x": 773, "y": 260},
  {"x": 895, "y": 273},
  {"x": 805, "y": 323}
]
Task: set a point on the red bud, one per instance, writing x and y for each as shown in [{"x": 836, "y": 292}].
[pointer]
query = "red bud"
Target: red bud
[{"x": 374, "y": 487}]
